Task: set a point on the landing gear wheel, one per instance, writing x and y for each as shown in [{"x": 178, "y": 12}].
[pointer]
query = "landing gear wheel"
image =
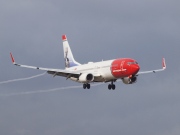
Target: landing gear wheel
[
  {"x": 113, "y": 86},
  {"x": 109, "y": 86},
  {"x": 88, "y": 86},
  {"x": 84, "y": 86}
]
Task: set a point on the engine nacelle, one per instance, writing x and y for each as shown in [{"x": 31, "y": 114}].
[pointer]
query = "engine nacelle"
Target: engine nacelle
[
  {"x": 128, "y": 80},
  {"x": 86, "y": 77}
]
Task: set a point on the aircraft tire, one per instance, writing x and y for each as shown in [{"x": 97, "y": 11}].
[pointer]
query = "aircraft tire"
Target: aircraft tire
[
  {"x": 88, "y": 86},
  {"x": 109, "y": 86},
  {"x": 113, "y": 86},
  {"x": 84, "y": 86}
]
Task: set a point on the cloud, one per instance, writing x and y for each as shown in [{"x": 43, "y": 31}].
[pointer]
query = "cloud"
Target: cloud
[{"x": 96, "y": 30}]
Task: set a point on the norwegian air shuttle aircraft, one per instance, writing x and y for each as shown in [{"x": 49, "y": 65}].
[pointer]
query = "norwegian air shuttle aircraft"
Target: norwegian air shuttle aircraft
[{"x": 126, "y": 69}]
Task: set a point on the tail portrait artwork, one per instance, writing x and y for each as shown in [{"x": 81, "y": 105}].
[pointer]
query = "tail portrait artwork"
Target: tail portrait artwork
[{"x": 68, "y": 56}]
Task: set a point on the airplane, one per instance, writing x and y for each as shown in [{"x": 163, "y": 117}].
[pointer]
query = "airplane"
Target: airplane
[{"x": 126, "y": 69}]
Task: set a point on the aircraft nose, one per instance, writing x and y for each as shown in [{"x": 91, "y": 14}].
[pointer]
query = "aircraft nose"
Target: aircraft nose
[{"x": 135, "y": 68}]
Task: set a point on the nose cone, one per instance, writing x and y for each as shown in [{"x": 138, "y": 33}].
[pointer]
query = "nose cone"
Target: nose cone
[{"x": 135, "y": 68}]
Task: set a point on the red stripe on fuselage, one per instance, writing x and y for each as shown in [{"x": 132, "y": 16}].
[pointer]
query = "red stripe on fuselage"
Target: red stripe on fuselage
[{"x": 121, "y": 68}]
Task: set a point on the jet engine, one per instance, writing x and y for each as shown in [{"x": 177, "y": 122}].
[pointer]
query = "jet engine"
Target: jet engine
[
  {"x": 86, "y": 77},
  {"x": 128, "y": 80}
]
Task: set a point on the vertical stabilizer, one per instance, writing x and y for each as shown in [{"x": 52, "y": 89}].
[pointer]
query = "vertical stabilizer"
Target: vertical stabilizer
[{"x": 68, "y": 56}]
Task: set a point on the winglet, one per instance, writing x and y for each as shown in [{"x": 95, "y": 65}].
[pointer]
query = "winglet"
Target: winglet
[
  {"x": 64, "y": 37},
  {"x": 12, "y": 58},
  {"x": 164, "y": 63}
]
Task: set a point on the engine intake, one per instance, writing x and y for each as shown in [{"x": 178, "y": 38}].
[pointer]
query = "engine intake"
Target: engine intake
[
  {"x": 128, "y": 80},
  {"x": 86, "y": 77}
]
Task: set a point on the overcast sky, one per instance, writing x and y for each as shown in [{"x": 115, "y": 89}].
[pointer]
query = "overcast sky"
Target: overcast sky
[{"x": 97, "y": 29}]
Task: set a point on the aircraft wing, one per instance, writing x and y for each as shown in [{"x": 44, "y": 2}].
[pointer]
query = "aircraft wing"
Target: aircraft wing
[
  {"x": 54, "y": 72},
  {"x": 154, "y": 71}
]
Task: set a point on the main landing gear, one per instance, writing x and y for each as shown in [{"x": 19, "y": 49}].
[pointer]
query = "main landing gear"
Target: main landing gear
[
  {"x": 111, "y": 86},
  {"x": 88, "y": 86}
]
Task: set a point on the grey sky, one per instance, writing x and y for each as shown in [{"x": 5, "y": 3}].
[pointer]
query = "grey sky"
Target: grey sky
[{"x": 144, "y": 30}]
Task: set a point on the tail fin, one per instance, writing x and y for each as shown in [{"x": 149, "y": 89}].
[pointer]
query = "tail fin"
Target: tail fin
[{"x": 68, "y": 56}]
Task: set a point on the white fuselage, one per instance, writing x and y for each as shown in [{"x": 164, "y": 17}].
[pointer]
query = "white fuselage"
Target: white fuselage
[{"x": 100, "y": 70}]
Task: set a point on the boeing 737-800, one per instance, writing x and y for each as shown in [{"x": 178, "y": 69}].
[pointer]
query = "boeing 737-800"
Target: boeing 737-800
[{"x": 126, "y": 69}]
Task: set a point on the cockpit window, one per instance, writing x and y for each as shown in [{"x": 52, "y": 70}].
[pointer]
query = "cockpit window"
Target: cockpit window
[{"x": 130, "y": 63}]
